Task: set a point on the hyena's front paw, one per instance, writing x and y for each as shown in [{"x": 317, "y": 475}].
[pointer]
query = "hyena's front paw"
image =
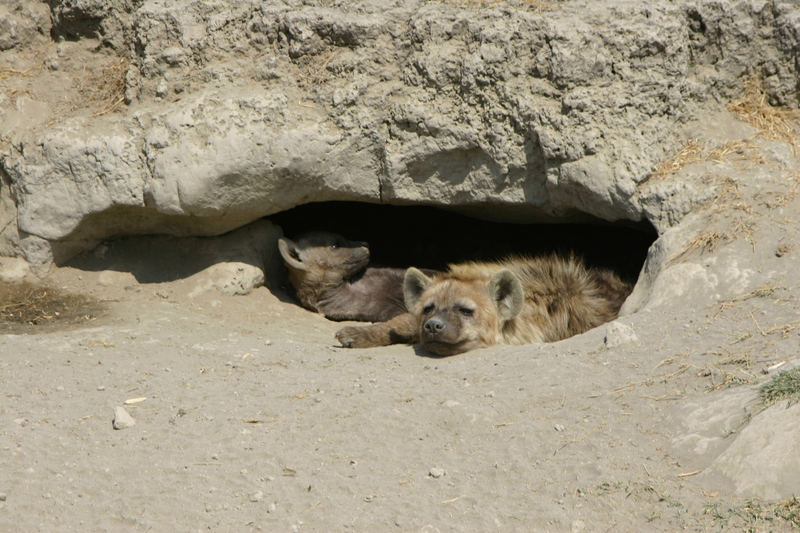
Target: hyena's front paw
[{"x": 356, "y": 337}]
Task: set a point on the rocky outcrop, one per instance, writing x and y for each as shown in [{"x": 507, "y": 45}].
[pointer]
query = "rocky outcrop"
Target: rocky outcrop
[
  {"x": 21, "y": 23},
  {"x": 239, "y": 111}
]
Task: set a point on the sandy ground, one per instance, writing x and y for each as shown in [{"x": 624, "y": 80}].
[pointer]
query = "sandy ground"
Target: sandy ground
[{"x": 249, "y": 419}]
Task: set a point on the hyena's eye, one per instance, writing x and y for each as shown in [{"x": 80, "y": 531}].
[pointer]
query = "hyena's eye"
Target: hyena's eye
[
  {"x": 466, "y": 311},
  {"x": 428, "y": 308}
]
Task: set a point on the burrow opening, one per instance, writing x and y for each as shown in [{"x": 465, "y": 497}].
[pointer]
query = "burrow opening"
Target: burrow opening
[{"x": 428, "y": 237}]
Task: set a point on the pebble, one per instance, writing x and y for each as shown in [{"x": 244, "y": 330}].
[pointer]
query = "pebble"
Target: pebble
[
  {"x": 122, "y": 420},
  {"x": 436, "y": 472},
  {"x": 618, "y": 334},
  {"x": 272, "y": 507},
  {"x": 257, "y": 496},
  {"x": 3, "y": 496},
  {"x": 101, "y": 388},
  {"x": 559, "y": 427}
]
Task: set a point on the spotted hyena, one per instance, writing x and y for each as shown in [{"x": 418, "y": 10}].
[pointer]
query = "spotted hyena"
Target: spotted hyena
[
  {"x": 332, "y": 275},
  {"x": 518, "y": 300}
]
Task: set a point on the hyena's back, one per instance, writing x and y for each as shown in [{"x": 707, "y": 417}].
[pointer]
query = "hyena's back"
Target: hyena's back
[{"x": 562, "y": 296}]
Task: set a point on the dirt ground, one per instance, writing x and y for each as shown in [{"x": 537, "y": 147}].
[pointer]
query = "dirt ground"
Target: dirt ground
[{"x": 249, "y": 418}]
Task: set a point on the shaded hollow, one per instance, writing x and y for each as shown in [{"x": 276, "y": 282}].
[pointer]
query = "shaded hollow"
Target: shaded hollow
[{"x": 431, "y": 238}]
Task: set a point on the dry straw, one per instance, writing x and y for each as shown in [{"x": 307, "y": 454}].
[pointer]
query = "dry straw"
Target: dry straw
[
  {"x": 777, "y": 123},
  {"x": 695, "y": 152},
  {"x": 104, "y": 89}
]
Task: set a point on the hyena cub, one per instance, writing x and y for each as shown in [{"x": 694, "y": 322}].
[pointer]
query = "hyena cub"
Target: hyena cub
[
  {"x": 331, "y": 275},
  {"x": 512, "y": 301}
]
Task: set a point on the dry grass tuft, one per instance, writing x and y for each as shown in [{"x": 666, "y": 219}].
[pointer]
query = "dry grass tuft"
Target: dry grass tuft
[
  {"x": 730, "y": 379},
  {"x": 735, "y": 151},
  {"x": 756, "y": 515},
  {"x": 691, "y": 153},
  {"x": 25, "y": 304},
  {"x": 696, "y": 152},
  {"x": 314, "y": 68},
  {"x": 784, "y": 386},
  {"x": 704, "y": 243},
  {"x": 8, "y": 72},
  {"x": 775, "y": 123},
  {"x": 104, "y": 89}
]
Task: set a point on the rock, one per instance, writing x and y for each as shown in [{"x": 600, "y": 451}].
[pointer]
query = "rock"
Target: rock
[
  {"x": 436, "y": 472},
  {"x": 22, "y": 22},
  {"x": 510, "y": 112},
  {"x": 13, "y": 269},
  {"x": 618, "y": 334},
  {"x": 122, "y": 420},
  {"x": 762, "y": 462},
  {"x": 257, "y": 496},
  {"x": 233, "y": 263}
]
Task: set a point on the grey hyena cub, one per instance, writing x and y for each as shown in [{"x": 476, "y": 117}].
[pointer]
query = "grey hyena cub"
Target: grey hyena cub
[{"x": 332, "y": 276}]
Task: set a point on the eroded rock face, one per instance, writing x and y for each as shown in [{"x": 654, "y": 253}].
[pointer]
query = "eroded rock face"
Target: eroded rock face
[
  {"x": 238, "y": 111},
  {"x": 22, "y": 22}
]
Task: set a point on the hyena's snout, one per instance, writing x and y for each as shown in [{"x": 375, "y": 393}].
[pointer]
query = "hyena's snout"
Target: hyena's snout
[{"x": 434, "y": 326}]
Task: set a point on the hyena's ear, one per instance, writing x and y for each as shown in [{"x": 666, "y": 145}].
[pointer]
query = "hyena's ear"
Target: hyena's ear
[
  {"x": 414, "y": 284},
  {"x": 288, "y": 250},
  {"x": 506, "y": 291}
]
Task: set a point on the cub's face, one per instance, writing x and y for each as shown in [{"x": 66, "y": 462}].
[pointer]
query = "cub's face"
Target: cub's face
[
  {"x": 456, "y": 316},
  {"x": 323, "y": 256}
]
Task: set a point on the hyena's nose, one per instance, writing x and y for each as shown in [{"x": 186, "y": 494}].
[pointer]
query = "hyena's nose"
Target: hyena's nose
[{"x": 434, "y": 325}]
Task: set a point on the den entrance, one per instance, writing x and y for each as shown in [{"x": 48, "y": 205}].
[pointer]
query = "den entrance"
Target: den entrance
[{"x": 428, "y": 237}]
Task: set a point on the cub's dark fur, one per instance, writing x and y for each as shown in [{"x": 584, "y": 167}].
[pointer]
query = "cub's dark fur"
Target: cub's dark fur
[{"x": 332, "y": 276}]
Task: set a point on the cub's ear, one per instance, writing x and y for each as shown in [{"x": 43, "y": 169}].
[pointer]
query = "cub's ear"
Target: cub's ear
[
  {"x": 505, "y": 290},
  {"x": 414, "y": 284},
  {"x": 288, "y": 250}
]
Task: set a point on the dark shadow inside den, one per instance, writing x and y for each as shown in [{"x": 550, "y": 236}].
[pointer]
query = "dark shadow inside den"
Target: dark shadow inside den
[
  {"x": 398, "y": 236},
  {"x": 429, "y": 237}
]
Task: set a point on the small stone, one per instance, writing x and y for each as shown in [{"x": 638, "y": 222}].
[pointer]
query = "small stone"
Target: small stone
[
  {"x": 161, "y": 89},
  {"x": 3, "y": 496},
  {"x": 257, "y": 496},
  {"x": 436, "y": 472},
  {"x": 21, "y": 421},
  {"x": 13, "y": 269},
  {"x": 101, "y": 388},
  {"x": 268, "y": 342},
  {"x": 122, "y": 420},
  {"x": 618, "y": 334},
  {"x": 578, "y": 526},
  {"x": 272, "y": 507},
  {"x": 559, "y": 427}
]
